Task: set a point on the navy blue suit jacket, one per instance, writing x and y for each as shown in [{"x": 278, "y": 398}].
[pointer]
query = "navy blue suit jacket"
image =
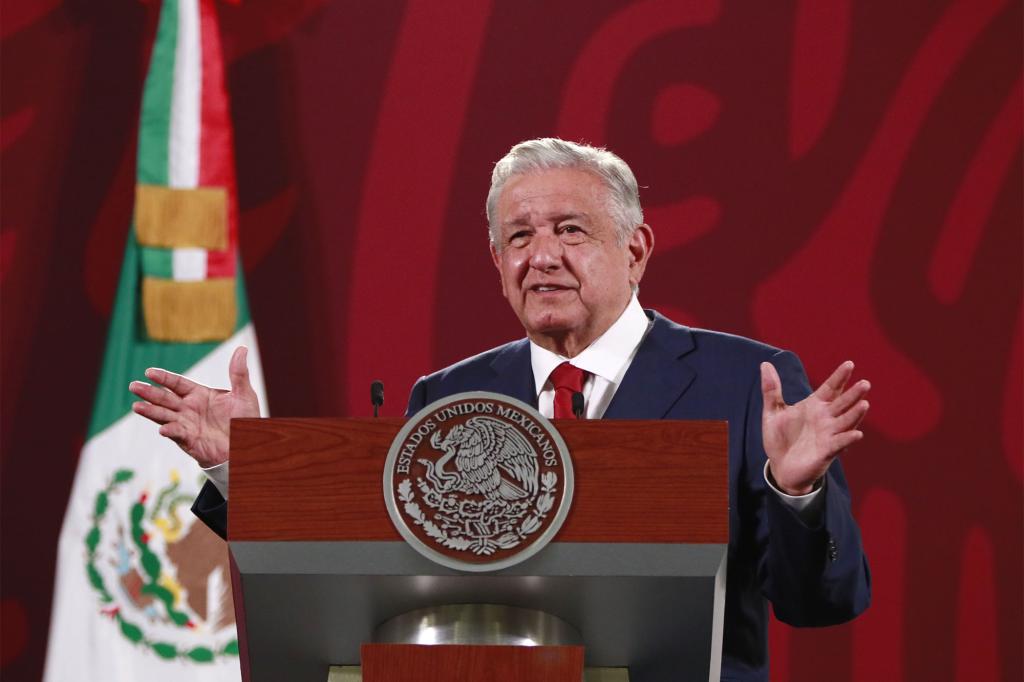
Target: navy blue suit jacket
[{"x": 813, "y": 576}]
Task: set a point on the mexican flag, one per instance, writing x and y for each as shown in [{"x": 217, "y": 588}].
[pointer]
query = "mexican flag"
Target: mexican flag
[{"x": 143, "y": 590}]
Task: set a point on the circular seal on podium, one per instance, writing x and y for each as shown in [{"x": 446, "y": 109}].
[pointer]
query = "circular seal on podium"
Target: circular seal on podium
[{"x": 478, "y": 481}]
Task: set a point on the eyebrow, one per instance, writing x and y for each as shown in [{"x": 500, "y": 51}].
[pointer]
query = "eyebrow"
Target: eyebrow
[
  {"x": 524, "y": 221},
  {"x": 562, "y": 217}
]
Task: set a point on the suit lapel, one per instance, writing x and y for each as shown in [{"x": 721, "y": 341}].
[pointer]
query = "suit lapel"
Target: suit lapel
[
  {"x": 513, "y": 373},
  {"x": 657, "y": 377}
]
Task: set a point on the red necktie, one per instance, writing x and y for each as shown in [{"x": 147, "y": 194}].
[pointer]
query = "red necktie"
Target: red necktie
[{"x": 567, "y": 380}]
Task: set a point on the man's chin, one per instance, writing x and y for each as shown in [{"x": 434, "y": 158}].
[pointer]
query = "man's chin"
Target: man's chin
[{"x": 548, "y": 326}]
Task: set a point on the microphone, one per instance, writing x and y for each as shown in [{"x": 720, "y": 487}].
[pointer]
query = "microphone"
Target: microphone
[
  {"x": 577, "y": 404},
  {"x": 377, "y": 395}
]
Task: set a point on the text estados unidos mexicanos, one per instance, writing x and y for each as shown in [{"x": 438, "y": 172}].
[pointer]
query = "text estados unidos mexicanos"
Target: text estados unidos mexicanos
[{"x": 431, "y": 423}]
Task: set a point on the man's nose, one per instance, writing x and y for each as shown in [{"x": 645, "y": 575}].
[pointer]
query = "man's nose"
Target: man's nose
[{"x": 546, "y": 252}]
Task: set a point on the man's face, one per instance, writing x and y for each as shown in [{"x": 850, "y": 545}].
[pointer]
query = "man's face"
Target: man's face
[{"x": 562, "y": 267}]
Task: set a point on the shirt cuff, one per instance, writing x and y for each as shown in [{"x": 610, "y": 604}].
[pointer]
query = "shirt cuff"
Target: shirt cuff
[
  {"x": 807, "y": 507},
  {"x": 218, "y": 476}
]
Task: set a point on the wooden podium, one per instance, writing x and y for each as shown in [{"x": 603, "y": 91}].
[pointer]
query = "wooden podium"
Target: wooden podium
[{"x": 638, "y": 567}]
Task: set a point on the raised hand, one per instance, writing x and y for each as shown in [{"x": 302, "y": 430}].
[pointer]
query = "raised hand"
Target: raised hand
[
  {"x": 801, "y": 440},
  {"x": 196, "y": 417}
]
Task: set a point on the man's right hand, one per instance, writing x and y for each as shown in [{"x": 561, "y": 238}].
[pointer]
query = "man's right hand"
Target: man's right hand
[{"x": 196, "y": 417}]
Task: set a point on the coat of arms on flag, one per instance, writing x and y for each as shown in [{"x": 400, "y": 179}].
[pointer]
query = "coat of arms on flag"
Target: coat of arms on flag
[{"x": 160, "y": 576}]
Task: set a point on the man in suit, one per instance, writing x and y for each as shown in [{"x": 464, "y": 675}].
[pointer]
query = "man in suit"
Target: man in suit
[{"x": 570, "y": 246}]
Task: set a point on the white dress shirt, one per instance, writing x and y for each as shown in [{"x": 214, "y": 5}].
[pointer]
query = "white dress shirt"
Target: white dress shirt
[
  {"x": 218, "y": 476},
  {"x": 606, "y": 360}
]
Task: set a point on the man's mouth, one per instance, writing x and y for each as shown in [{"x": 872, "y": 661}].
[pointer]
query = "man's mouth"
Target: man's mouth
[{"x": 547, "y": 288}]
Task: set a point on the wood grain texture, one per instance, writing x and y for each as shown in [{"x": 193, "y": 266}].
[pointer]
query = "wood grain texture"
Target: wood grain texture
[
  {"x": 635, "y": 481},
  {"x": 461, "y": 663}
]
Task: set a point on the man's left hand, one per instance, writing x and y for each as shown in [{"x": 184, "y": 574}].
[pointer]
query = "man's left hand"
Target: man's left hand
[{"x": 801, "y": 440}]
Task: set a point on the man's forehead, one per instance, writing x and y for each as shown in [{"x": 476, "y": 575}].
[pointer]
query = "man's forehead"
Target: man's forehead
[
  {"x": 553, "y": 180},
  {"x": 552, "y": 195}
]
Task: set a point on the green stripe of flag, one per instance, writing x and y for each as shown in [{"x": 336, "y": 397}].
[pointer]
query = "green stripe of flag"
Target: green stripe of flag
[
  {"x": 157, "y": 262},
  {"x": 155, "y": 117}
]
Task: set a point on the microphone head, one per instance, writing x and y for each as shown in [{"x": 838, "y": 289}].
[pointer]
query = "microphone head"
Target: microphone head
[
  {"x": 577, "y": 404},
  {"x": 377, "y": 393}
]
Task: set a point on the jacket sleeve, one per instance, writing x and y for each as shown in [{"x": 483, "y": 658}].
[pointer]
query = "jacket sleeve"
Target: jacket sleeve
[
  {"x": 417, "y": 397},
  {"x": 212, "y": 509},
  {"x": 813, "y": 575}
]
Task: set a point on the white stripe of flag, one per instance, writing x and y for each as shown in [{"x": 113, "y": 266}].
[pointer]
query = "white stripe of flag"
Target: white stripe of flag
[
  {"x": 183, "y": 141},
  {"x": 188, "y": 264}
]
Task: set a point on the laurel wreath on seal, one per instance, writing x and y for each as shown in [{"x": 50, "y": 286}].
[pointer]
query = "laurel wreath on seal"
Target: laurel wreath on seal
[
  {"x": 480, "y": 544},
  {"x": 152, "y": 567}
]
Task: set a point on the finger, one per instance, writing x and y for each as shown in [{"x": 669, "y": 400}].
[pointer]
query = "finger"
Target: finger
[
  {"x": 155, "y": 394},
  {"x": 850, "y": 397},
  {"x": 862, "y": 415},
  {"x": 238, "y": 371},
  {"x": 851, "y": 418},
  {"x": 771, "y": 387},
  {"x": 175, "y": 382},
  {"x": 833, "y": 386},
  {"x": 154, "y": 413},
  {"x": 843, "y": 440},
  {"x": 175, "y": 431}
]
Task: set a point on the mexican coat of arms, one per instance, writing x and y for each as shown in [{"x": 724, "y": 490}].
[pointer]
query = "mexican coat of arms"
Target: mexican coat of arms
[{"x": 478, "y": 481}]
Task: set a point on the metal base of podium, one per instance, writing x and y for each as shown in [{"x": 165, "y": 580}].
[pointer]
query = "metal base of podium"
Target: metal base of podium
[
  {"x": 353, "y": 673},
  {"x": 471, "y": 625},
  {"x": 648, "y": 608},
  {"x": 477, "y": 624}
]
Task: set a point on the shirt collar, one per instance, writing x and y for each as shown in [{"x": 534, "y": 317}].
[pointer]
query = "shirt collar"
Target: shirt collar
[{"x": 607, "y": 357}]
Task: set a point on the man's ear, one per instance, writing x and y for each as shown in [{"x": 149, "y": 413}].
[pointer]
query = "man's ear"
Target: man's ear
[
  {"x": 640, "y": 245},
  {"x": 496, "y": 259}
]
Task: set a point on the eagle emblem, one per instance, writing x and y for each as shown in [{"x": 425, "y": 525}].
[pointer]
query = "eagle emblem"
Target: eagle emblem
[
  {"x": 478, "y": 481},
  {"x": 491, "y": 459}
]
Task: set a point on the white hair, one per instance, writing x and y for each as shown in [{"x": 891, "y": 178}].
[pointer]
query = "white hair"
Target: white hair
[{"x": 548, "y": 153}]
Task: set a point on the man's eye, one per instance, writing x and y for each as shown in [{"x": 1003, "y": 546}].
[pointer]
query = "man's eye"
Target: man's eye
[
  {"x": 519, "y": 238},
  {"x": 572, "y": 234}
]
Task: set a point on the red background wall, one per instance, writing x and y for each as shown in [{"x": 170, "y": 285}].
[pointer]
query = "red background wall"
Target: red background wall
[{"x": 842, "y": 179}]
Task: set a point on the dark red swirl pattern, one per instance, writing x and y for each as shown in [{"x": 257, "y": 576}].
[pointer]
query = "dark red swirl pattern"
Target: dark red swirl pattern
[{"x": 842, "y": 179}]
